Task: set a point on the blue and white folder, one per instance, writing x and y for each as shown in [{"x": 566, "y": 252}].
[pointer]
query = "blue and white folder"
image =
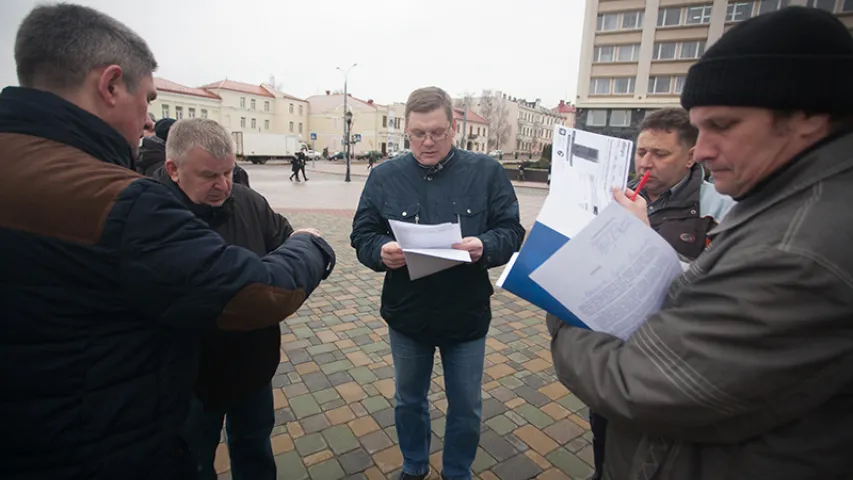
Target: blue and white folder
[{"x": 558, "y": 221}]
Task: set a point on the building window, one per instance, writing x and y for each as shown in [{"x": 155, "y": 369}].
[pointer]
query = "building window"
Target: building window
[
  {"x": 254, "y": 123},
  {"x": 242, "y": 122},
  {"x": 698, "y": 15},
  {"x": 679, "y": 84},
  {"x": 660, "y": 84},
  {"x": 620, "y": 118},
  {"x": 266, "y": 124},
  {"x": 291, "y": 108},
  {"x": 632, "y": 20},
  {"x": 628, "y": 53},
  {"x": 291, "y": 127},
  {"x": 669, "y": 17},
  {"x": 846, "y": 6},
  {"x": 623, "y": 85},
  {"x": 738, "y": 11},
  {"x": 252, "y": 104},
  {"x": 828, "y": 5},
  {"x": 693, "y": 49},
  {"x": 608, "y": 22},
  {"x": 300, "y": 127},
  {"x": 242, "y": 102},
  {"x": 300, "y": 109},
  {"x": 165, "y": 111},
  {"x": 190, "y": 113},
  {"x": 600, "y": 86},
  {"x": 767, "y": 6},
  {"x": 596, "y": 118},
  {"x": 203, "y": 113},
  {"x": 266, "y": 106},
  {"x": 664, "y": 51},
  {"x": 603, "y": 54},
  {"x": 384, "y": 121},
  {"x": 179, "y": 113}
]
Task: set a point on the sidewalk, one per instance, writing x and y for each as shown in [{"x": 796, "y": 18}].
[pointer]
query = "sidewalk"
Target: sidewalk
[{"x": 359, "y": 169}]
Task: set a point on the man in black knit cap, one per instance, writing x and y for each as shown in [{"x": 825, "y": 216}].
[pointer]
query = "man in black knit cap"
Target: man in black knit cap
[{"x": 747, "y": 370}]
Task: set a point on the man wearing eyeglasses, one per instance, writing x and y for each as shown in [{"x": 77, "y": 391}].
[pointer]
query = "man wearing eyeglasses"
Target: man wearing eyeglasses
[{"x": 448, "y": 310}]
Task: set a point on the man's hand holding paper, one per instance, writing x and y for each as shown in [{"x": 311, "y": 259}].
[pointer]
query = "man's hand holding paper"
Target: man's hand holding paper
[
  {"x": 472, "y": 245},
  {"x": 392, "y": 256}
]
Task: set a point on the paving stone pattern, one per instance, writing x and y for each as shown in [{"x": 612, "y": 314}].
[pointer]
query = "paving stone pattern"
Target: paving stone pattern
[{"x": 334, "y": 388}]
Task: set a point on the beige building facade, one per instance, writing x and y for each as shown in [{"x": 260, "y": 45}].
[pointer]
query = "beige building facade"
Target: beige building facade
[
  {"x": 636, "y": 53},
  {"x": 381, "y": 127},
  {"x": 178, "y": 101},
  {"x": 475, "y": 128},
  {"x": 530, "y": 125},
  {"x": 259, "y": 108}
]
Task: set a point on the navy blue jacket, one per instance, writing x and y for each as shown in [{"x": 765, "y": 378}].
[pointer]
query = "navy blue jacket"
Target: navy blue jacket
[
  {"x": 108, "y": 281},
  {"x": 452, "y": 305}
]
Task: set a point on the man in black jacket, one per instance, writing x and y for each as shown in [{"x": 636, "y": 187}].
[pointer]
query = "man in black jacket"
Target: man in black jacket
[
  {"x": 235, "y": 369},
  {"x": 108, "y": 280},
  {"x": 449, "y": 309},
  {"x": 152, "y": 152}
]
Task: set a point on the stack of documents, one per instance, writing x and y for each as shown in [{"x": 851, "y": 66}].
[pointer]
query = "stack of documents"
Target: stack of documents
[
  {"x": 429, "y": 248},
  {"x": 587, "y": 260}
]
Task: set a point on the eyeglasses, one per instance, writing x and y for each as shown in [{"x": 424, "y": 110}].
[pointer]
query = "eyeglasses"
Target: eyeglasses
[{"x": 422, "y": 136}]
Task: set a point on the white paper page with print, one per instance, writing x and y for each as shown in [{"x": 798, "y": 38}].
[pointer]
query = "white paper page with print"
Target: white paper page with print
[
  {"x": 413, "y": 235},
  {"x": 619, "y": 272}
]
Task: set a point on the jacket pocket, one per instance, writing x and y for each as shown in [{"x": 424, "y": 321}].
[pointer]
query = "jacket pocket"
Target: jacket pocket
[{"x": 472, "y": 214}]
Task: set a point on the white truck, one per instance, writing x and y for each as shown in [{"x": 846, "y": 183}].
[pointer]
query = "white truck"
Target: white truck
[{"x": 259, "y": 148}]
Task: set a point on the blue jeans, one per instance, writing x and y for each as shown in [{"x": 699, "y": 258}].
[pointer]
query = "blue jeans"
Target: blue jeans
[
  {"x": 463, "y": 379},
  {"x": 248, "y": 425}
]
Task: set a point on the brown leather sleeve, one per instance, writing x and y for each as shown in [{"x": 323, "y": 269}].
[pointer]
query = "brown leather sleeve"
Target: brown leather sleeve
[
  {"x": 258, "y": 306},
  {"x": 51, "y": 189}
]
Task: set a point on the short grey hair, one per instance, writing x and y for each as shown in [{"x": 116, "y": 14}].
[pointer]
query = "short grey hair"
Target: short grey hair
[
  {"x": 58, "y": 45},
  {"x": 198, "y": 132}
]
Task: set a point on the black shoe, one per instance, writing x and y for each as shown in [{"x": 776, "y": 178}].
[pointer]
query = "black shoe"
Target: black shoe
[{"x": 406, "y": 476}]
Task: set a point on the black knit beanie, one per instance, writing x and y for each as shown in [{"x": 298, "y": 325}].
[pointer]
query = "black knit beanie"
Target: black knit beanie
[
  {"x": 161, "y": 128},
  {"x": 797, "y": 58}
]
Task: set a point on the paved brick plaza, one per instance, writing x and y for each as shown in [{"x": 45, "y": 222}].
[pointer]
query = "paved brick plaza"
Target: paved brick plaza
[{"x": 334, "y": 387}]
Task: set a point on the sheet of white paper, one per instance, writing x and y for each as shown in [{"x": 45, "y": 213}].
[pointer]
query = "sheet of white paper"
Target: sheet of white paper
[
  {"x": 413, "y": 235},
  {"x": 507, "y": 268},
  {"x": 613, "y": 274},
  {"x": 428, "y": 248},
  {"x": 445, "y": 253},
  {"x": 422, "y": 265},
  {"x": 589, "y": 166}
]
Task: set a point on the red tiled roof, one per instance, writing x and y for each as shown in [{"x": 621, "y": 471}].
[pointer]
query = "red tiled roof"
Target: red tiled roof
[
  {"x": 369, "y": 104},
  {"x": 164, "y": 85},
  {"x": 238, "y": 87},
  {"x": 274, "y": 91},
  {"x": 472, "y": 117}
]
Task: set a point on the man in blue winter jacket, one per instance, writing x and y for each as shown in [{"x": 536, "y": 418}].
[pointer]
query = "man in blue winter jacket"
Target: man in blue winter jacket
[{"x": 450, "y": 310}]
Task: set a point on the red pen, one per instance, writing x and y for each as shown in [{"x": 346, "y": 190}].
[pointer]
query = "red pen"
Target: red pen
[{"x": 641, "y": 185}]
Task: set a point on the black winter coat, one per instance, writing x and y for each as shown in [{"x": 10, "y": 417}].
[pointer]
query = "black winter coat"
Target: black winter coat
[
  {"x": 234, "y": 364},
  {"x": 152, "y": 155},
  {"x": 452, "y": 305},
  {"x": 108, "y": 282}
]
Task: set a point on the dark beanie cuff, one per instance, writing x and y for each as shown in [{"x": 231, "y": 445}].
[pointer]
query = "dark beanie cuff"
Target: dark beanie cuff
[{"x": 815, "y": 83}]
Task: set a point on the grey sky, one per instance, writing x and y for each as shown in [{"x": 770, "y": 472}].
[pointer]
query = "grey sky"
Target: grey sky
[{"x": 526, "y": 48}]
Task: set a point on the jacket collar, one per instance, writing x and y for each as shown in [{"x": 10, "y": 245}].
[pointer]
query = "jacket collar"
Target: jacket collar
[
  {"x": 827, "y": 159},
  {"x": 45, "y": 115},
  {"x": 213, "y": 216}
]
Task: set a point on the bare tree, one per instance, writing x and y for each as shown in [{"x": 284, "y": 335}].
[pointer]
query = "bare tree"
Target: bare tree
[
  {"x": 271, "y": 82},
  {"x": 467, "y": 98},
  {"x": 495, "y": 110}
]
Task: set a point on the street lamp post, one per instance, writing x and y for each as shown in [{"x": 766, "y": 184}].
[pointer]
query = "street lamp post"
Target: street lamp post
[{"x": 347, "y": 121}]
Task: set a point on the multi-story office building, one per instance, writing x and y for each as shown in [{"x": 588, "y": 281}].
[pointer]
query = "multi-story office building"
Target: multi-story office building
[{"x": 636, "y": 53}]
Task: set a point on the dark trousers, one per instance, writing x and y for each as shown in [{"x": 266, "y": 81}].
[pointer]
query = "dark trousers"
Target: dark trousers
[
  {"x": 248, "y": 425},
  {"x": 301, "y": 169},
  {"x": 599, "y": 439}
]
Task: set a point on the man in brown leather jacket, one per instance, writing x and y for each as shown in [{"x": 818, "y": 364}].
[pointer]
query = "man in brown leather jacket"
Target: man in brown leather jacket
[{"x": 747, "y": 370}]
